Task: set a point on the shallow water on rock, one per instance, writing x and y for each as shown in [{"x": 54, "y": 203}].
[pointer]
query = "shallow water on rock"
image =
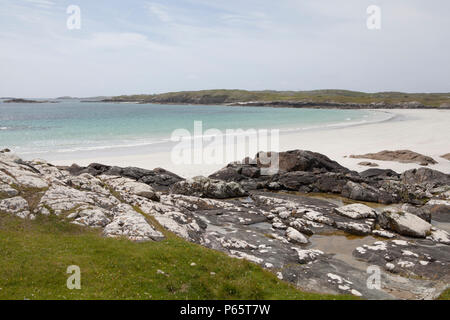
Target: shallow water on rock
[
  {"x": 441, "y": 225},
  {"x": 334, "y": 199},
  {"x": 341, "y": 245}
]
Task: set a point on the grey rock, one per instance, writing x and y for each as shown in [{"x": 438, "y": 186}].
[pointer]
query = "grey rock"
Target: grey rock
[
  {"x": 418, "y": 211},
  {"x": 295, "y": 236},
  {"x": 209, "y": 188},
  {"x": 407, "y": 258},
  {"x": 7, "y": 191},
  {"x": 404, "y": 223},
  {"x": 356, "y": 211},
  {"x": 17, "y": 206},
  {"x": 306, "y": 256},
  {"x": 360, "y": 229}
]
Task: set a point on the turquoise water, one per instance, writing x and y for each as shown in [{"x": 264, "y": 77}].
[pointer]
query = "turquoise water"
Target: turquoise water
[{"x": 49, "y": 128}]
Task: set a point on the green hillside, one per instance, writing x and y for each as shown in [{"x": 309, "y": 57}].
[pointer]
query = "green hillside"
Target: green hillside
[{"x": 339, "y": 96}]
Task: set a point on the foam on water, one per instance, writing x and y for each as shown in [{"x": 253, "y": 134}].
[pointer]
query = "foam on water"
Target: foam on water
[{"x": 65, "y": 127}]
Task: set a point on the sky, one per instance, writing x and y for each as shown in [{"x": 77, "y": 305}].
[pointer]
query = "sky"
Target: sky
[{"x": 132, "y": 47}]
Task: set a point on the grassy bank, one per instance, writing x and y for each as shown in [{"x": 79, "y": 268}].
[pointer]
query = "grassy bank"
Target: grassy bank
[
  {"x": 34, "y": 256},
  {"x": 445, "y": 295},
  {"x": 339, "y": 96}
]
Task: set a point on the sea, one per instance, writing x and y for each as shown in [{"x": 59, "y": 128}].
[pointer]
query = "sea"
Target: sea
[{"x": 70, "y": 128}]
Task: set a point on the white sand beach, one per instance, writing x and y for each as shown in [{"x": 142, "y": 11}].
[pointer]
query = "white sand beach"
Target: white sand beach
[{"x": 423, "y": 131}]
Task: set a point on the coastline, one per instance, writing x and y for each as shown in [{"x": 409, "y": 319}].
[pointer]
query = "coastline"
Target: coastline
[{"x": 422, "y": 131}]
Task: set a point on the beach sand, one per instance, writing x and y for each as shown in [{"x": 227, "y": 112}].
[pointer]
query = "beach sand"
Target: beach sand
[{"x": 423, "y": 131}]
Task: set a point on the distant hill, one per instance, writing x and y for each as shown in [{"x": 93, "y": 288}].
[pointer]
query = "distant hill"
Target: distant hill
[
  {"x": 19, "y": 100},
  {"x": 291, "y": 98}
]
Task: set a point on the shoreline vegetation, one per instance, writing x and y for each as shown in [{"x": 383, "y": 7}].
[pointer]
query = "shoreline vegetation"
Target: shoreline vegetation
[
  {"x": 342, "y": 99},
  {"x": 327, "y": 99}
]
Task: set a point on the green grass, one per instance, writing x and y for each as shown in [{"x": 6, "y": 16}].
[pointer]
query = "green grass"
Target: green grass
[
  {"x": 341, "y": 96},
  {"x": 445, "y": 295},
  {"x": 34, "y": 256}
]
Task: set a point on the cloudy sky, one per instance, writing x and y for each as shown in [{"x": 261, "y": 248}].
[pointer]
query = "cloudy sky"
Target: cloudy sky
[{"x": 128, "y": 47}]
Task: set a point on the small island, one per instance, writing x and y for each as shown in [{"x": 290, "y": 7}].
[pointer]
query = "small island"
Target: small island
[{"x": 19, "y": 100}]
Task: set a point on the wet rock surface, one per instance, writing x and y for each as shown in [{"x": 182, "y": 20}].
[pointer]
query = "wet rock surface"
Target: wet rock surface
[
  {"x": 410, "y": 258},
  {"x": 318, "y": 244}
]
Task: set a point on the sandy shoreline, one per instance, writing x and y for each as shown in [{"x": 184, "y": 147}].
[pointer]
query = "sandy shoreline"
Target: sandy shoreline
[{"x": 422, "y": 131}]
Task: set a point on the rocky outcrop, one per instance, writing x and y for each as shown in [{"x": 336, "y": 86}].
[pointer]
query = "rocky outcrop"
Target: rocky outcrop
[
  {"x": 403, "y": 156},
  {"x": 306, "y": 171},
  {"x": 446, "y": 156},
  {"x": 298, "y": 237},
  {"x": 129, "y": 223},
  {"x": 159, "y": 179},
  {"x": 208, "y": 188}
]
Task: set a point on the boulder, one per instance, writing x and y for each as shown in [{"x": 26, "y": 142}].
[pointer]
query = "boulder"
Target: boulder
[
  {"x": 379, "y": 174},
  {"x": 160, "y": 179},
  {"x": 302, "y": 226},
  {"x": 425, "y": 177},
  {"x": 301, "y": 160},
  {"x": 361, "y": 192},
  {"x": 359, "y": 229},
  {"x": 229, "y": 173},
  {"x": 356, "y": 211},
  {"x": 306, "y": 256},
  {"x": 295, "y": 236},
  {"x": 140, "y": 189},
  {"x": 404, "y": 223}
]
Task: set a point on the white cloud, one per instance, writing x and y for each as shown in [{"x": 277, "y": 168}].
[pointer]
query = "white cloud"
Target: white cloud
[
  {"x": 41, "y": 3},
  {"x": 161, "y": 46},
  {"x": 159, "y": 11},
  {"x": 121, "y": 40}
]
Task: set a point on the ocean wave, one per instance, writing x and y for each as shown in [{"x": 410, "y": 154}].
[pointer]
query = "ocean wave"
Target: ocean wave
[
  {"x": 87, "y": 146},
  {"x": 110, "y": 145}
]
